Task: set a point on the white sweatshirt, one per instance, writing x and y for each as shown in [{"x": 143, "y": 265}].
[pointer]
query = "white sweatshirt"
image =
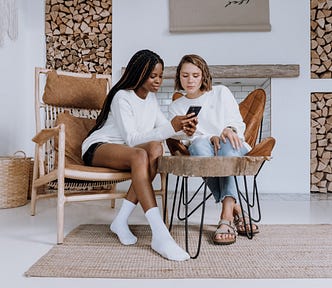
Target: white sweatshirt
[
  {"x": 132, "y": 121},
  {"x": 219, "y": 110}
]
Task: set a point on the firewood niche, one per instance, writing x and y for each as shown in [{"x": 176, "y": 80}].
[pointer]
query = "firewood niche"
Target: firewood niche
[
  {"x": 321, "y": 39},
  {"x": 321, "y": 142},
  {"x": 79, "y": 35}
]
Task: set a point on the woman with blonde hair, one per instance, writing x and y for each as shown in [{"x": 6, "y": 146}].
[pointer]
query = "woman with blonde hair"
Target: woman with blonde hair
[{"x": 220, "y": 132}]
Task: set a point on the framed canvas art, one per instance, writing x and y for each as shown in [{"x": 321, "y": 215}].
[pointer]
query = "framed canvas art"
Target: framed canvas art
[{"x": 219, "y": 15}]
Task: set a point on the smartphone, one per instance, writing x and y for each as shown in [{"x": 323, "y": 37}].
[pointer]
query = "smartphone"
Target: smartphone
[{"x": 194, "y": 109}]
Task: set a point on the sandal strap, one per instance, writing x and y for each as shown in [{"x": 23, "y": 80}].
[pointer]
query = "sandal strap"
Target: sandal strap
[
  {"x": 225, "y": 222},
  {"x": 230, "y": 229},
  {"x": 239, "y": 220}
]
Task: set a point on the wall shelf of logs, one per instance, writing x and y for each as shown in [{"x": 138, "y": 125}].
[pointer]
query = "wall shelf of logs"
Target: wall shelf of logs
[
  {"x": 321, "y": 103},
  {"x": 79, "y": 35},
  {"x": 321, "y": 39},
  {"x": 321, "y": 142}
]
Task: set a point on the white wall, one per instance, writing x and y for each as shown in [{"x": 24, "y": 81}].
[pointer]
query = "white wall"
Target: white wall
[
  {"x": 144, "y": 24},
  {"x": 137, "y": 27},
  {"x": 18, "y": 59}
]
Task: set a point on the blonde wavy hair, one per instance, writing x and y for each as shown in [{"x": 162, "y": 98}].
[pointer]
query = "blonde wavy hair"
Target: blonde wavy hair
[{"x": 202, "y": 65}]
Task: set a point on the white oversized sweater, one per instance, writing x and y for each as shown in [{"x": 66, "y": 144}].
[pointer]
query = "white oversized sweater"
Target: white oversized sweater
[
  {"x": 219, "y": 110},
  {"x": 132, "y": 121}
]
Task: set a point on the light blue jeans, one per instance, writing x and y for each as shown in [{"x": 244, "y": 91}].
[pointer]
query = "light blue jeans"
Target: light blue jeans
[{"x": 220, "y": 187}]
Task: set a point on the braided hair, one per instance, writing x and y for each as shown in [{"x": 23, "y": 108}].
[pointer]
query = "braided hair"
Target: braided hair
[{"x": 136, "y": 73}]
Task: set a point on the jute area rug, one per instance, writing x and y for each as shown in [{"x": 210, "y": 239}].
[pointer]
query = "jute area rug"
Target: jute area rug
[{"x": 278, "y": 251}]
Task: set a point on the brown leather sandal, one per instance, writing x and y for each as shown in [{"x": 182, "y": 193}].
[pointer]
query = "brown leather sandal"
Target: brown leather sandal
[
  {"x": 239, "y": 224},
  {"x": 230, "y": 229}
]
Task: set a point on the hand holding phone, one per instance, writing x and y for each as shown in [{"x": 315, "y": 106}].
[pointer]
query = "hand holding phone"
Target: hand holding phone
[
  {"x": 194, "y": 109},
  {"x": 185, "y": 123}
]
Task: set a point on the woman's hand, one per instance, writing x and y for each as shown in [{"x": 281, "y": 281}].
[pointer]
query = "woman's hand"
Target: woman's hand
[
  {"x": 180, "y": 122},
  {"x": 233, "y": 138},
  {"x": 215, "y": 141},
  {"x": 190, "y": 127}
]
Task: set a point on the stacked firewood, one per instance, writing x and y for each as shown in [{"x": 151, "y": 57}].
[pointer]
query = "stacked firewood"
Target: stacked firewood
[
  {"x": 321, "y": 39},
  {"x": 79, "y": 35},
  {"x": 321, "y": 142}
]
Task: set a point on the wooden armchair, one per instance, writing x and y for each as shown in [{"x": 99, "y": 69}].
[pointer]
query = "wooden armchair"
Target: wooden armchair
[{"x": 66, "y": 106}]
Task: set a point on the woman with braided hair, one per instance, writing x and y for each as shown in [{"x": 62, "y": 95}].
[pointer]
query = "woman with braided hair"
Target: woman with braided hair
[{"x": 127, "y": 136}]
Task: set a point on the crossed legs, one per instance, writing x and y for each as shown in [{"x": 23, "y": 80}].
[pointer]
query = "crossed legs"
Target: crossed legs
[{"x": 142, "y": 162}]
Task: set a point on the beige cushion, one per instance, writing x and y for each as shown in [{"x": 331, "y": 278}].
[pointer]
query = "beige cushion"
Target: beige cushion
[
  {"x": 76, "y": 92},
  {"x": 76, "y": 131}
]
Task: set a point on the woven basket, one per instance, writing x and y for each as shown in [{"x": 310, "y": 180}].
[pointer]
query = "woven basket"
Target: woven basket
[{"x": 14, "y": 180}]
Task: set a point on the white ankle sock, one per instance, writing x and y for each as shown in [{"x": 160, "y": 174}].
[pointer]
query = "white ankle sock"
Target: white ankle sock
[
  {"x": 120, "y": 226},
  {"x": 162, "y": 241}
]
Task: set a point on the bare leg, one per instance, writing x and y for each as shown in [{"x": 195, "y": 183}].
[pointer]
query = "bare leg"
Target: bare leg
[
  {"x": 153, "y": 150},
  {"x": 237, "y": 210},
  {"x": 142, "y": 162},
  {"x": 135, "y": 159}
]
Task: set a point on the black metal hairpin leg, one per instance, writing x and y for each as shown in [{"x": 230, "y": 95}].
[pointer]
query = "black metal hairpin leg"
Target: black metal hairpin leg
[
  {"x": 187, "y": 215},
  {"x": 165, "y": 199},
  {"x": 194, "y": 195},
  {"x": 174, "y": 200},
  {"x": 249, "y": 205},
  {"x": 182, "y": 200}
]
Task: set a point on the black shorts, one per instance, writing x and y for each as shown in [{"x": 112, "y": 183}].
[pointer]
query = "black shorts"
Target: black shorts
[{"x": 88, "y": 155}]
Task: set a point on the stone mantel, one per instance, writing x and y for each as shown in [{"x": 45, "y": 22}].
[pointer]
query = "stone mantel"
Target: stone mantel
[{"x": 245, "y": 71}]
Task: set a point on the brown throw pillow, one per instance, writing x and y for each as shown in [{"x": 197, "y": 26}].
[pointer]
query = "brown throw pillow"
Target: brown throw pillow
[
  {"x": 76, "y": 92},
  {"x": 76, "y": 130}
]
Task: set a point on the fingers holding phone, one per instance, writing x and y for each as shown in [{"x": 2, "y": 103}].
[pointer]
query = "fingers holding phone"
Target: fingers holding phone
[
  {"x": 190, "y": 126},
  {"x": 187, "y": 122}
]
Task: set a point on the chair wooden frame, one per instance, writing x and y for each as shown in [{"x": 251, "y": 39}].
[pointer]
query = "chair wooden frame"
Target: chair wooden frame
[{"x": 71, "y": 182}]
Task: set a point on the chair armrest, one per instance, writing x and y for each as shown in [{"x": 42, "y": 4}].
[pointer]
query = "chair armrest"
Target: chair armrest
[
  {"x": 264, "y": 148},
  {"x": 176, "y": 147},
  {"x": 45, "y": 134},
  {"x": 41, "y": 139}
]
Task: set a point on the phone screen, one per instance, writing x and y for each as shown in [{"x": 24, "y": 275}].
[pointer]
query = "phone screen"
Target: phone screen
[{"x": 194, "y": 109}]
